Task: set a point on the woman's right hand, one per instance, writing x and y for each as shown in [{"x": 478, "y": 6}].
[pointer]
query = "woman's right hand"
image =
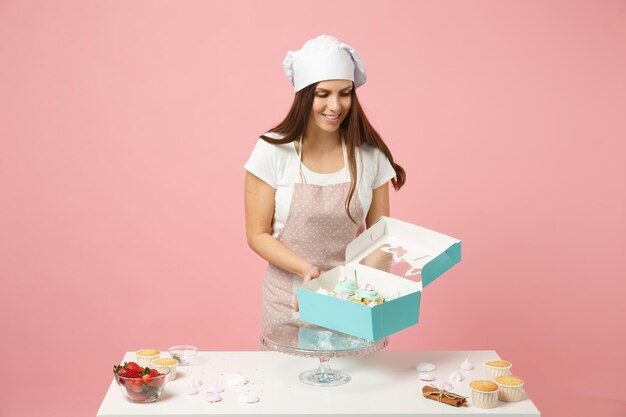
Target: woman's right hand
[{"x": 309, "y": 272}]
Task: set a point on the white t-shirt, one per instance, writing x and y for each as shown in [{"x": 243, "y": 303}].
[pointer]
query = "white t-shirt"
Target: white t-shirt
[{"x": 278, "y": 166}]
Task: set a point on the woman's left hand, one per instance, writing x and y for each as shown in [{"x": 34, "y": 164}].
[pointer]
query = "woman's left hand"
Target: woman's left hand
[{"x": 310, "y": 272}]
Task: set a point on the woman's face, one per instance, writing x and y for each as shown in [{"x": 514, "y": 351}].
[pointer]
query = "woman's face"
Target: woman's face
[{"x": 331, "y": 104}]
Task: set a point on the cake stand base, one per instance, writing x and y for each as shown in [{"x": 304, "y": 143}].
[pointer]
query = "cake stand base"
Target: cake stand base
[
  {"x": 299, "y": 338},
  {"x": 324, "y": 376}
]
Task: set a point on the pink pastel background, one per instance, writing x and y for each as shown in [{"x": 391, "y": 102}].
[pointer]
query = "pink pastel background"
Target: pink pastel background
[{"x": 124, "y": 126}]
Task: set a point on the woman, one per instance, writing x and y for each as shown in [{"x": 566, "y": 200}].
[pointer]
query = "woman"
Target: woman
[{"x": 315, "y": 181}]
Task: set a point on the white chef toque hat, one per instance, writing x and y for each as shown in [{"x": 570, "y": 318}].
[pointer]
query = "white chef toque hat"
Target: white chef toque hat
[{"x": 324, "y": 58}]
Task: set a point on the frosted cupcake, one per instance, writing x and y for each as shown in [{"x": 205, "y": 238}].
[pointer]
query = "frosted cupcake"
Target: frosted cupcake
[
  {"x": 496, "y": 368},
  {"x": 510, "y": 388},
  {"x": 346, "y": 287},
  {"x": 146, "y": 356},
  {"x": 484, "y": 394},
  {"x": 165, "y": 363},
  {"x": 368, "y": 296}
]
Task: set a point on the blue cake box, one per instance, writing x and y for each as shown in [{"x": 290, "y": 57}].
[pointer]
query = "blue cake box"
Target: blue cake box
[{"x": 399, "y": 260}]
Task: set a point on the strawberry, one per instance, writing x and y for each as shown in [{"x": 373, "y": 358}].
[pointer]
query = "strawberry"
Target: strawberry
[
  {"x": 128, "y": 373},
  {"x": 136, "y": 396},
  {"x": 134, "y": 385},
  {"x": 133, "y": 366},
  {"x": 151, "y": 380}
]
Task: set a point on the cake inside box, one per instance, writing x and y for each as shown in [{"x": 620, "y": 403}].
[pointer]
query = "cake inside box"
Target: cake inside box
[{"x": 388, "y": 287}]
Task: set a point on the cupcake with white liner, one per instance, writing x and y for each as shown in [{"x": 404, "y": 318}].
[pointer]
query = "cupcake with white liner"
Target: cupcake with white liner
[
  {"x": 165, "y": 363},
  {"x": 510, "y": 388},
  {"x": 496, "y": 368},
  {"x": 484, "y": 393},
  {"x": 146, "y": 356}
]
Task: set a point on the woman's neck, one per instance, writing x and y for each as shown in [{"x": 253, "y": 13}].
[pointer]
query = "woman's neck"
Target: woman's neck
[{"x": 321, "y": 140}]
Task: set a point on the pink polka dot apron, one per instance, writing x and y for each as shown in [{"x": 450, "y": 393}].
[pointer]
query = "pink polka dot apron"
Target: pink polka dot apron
[{"x": 318, "y": 229}]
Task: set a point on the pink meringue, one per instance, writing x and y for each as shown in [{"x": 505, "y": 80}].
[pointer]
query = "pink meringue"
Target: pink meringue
[
  {"x": 426, "y": 376},
  {"x": 212, "y": 397},
  {"x": 192, "y": 390},
  {"x": 216, "y": 388},
  {"x": 456, "y": 376},
  {"x": 467, "y": 365},
  {"x": 446, "y": 386},
  {"x": 197, "y": 382}
]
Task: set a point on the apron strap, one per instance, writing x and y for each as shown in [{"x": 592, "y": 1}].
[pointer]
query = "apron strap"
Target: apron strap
[{"x": 344, "y": 151}]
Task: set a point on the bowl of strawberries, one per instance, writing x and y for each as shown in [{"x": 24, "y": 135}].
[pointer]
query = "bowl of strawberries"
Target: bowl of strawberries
[{"x": 139, "y": 384}]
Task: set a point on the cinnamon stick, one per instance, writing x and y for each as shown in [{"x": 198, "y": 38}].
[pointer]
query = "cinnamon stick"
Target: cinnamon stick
[{"x": 450, "y": 398}]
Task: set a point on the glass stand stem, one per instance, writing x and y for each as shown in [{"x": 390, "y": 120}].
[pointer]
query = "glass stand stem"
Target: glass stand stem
[
  {"x": 324, "y": 371},
  {"x": 324, "y": 375}
]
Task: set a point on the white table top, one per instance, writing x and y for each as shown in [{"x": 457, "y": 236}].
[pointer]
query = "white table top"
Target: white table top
[{"x": 383, "y": 383}]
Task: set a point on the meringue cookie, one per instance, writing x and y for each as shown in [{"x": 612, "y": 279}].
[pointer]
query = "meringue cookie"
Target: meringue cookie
[
  {"x": 446, "y": 386},
  {"x": 192, "y": 390},
  {"x": 392, "y": 296},
  {"x": 197, "y": 382},
  {"x": 456, "y": 376},
  {"x": 248, "y": 398},
  {"x": 212, "y": 397},
  {"x": 426, "y": 376},
  {"x": 467, "y": 365},
  {"x": 425, "y": 367},
  {"x": 235, "y": 379},
  {"x": 216, "y": 388}
]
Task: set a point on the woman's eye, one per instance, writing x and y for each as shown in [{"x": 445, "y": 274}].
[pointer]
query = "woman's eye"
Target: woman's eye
[{"x": 322, "y": 95}]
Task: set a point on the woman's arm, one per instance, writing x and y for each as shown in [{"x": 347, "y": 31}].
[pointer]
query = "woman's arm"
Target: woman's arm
[
  {"x": 379, "y": 206},
  {"x": 259, "y": 204}
]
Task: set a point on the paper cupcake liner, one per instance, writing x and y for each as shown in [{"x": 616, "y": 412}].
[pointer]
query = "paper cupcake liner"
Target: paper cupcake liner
[
  {"x": 492, "y": 372},
  {"x": 161, "y": 368},
  {"x": 483, "y": 399},
  {"x": 146, "y": 360},
  {"x": 510, "y": 394}
]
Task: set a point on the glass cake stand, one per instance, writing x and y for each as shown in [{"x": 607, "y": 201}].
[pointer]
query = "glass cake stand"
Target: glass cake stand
[{"x": 299, "y": 338}]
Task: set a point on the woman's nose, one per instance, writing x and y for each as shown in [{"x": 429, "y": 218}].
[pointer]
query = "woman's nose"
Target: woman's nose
[{"x": 333, "y": 103}]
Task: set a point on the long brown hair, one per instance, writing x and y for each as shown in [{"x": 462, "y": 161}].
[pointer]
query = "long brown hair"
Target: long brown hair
[{"x": 356, "y": 130}]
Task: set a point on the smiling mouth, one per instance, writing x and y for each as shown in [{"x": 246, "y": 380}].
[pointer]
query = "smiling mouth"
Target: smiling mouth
[{"x": 331, "y": 117}]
